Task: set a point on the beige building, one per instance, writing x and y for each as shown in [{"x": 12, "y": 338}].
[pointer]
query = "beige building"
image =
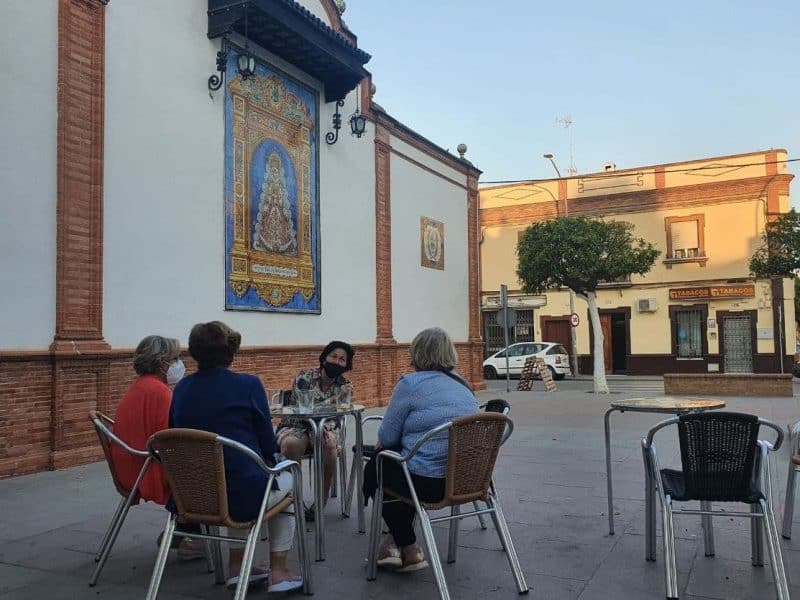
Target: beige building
[{"x": 698, "y": 309}]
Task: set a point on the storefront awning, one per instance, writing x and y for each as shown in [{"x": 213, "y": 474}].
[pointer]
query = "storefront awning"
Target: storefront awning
[{"x": 288, "y": 30}]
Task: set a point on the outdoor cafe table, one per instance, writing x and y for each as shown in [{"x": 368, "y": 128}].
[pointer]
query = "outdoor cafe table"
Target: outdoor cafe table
[
  {"x": 316, "y": 417},
  {"x": 664, "y": 405}
]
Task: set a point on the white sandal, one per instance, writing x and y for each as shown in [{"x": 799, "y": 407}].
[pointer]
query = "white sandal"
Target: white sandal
[
  {"x": 255, "y": 577},
  {"x": 287, "y": 585}
]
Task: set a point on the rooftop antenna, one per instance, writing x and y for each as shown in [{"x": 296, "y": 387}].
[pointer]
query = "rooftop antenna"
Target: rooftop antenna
[{"x": 566, "y": 122}]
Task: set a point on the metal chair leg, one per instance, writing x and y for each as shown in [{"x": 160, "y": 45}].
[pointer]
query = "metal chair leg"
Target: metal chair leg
[
  {"x": 708, "y": 529},
  {"x": 110, "y": 528},
  {"x": 788, "y": 504},
  {"x": 374, "y": 533},
  {"x": 300, "y": 531},
  {"x": 433, "y": 553},
  {"x": 649, "y": 510},
  {"x": 670, "y": 570},
  {"x": 775, "y": 555},
  {"x": 112, "y": 537},
  {"x": 452, "y": 545},
  {"x": 161, "y": 558},
  {"x": 216, "y": 558},
  {"x": 335, "y": 481},
  {"x": 351, "y": 484},
  {"x": 481, "y": 520},
  {"x": 756, "y": 537},
  {"x": 247, "y": 563},
  {"x": 208, "y": 550},
  {"x": 503, "y": 533}
]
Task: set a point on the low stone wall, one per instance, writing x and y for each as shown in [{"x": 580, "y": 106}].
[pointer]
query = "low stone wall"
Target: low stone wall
[{"x": 728, "y": 384}]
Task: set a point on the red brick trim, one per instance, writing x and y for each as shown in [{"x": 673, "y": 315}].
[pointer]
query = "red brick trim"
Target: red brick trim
[
  {"x": 522, "y": 214},
  {"x": 661, "y": 178},
  {"x": 79, "y": 212},
  {"x": 771, "y": 160},
  {"x": 383, "y": 237}
]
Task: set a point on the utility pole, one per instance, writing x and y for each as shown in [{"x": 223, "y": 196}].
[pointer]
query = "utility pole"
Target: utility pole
[{"x": 572, "y": 334}]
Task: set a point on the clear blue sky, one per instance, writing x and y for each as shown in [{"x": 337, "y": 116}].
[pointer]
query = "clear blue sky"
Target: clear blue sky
[{"x": 644, "y": 82}]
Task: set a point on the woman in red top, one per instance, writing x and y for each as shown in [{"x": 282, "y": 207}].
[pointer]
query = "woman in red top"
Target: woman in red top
[{"x": 144, "y": 410}]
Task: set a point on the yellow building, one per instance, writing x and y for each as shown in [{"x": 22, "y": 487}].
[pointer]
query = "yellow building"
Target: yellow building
[{"x": 698, "y": 309}]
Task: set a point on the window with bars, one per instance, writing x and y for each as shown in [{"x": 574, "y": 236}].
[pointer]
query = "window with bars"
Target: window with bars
[
  {"x": 689, "y": 333},
  {"x": 493, "y": 331}
]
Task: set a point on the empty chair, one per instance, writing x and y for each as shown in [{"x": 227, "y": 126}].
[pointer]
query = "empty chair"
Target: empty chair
[
  {"x": 722, "y": 460},
  {"x": 194, "y": 465},
  {"x": 473, "y": 444}
]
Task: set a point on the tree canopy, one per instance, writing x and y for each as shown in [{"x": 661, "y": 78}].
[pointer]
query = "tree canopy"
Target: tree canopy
[
  {"x": 779, "y": 254},
  {"x": 580, "y": 253}
]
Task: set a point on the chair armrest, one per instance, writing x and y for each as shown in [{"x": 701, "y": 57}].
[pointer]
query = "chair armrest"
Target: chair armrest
[
  {"x": 779, "y": 439},
  {"x": 404, "y": 458}
]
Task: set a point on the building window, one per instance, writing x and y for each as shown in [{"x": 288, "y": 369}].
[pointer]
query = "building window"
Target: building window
[
  {"x": 493, "y": 331},
  {"x": 689, "y": 331},
  {"x": 685, "y": 240}
]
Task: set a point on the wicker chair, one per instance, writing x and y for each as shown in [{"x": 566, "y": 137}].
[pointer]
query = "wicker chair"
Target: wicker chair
[
  {"x": 722, "y": 460},
  {"x": 498, "y": 405},
  {"x": 104, "y": 426},
  {"x": 794, "y": 466},
  {"x": 194, "y": 466},
  {"x": 473, "y": 444}
]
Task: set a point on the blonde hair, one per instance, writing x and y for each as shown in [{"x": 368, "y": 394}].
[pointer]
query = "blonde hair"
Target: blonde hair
[
  {"x": 152, "y": 352},
  {"x": 433, "y": 350}
]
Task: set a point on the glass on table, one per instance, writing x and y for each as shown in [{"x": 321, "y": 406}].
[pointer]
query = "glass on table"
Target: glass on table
[
  {"x": 304, "y": 400},
  {"x": 345, "y": 399},
  {"x": 275, "y": 398}
]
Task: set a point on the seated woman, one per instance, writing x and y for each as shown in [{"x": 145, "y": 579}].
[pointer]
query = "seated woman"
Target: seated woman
[
  {"x": 143, "y": 411},
  {"x": 434, "y": 394},
  {"x": 326, "y": 384},
  {"x": 234, "y": 405}
]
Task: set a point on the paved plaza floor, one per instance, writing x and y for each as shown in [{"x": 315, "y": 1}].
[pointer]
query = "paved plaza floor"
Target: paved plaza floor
[{"x": 552, "y": 484}]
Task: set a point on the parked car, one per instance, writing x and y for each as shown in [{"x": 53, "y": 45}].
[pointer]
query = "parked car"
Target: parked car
[{"x": 554, "y": 355}]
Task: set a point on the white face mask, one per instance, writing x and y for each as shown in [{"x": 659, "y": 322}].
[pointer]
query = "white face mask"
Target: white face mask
[{"x": 175, "y": 372}]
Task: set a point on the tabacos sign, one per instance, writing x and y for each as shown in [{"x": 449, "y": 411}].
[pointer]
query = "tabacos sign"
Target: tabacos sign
[{"x": 713, "y": 292}]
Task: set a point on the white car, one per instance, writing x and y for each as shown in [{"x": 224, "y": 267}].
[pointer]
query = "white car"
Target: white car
[{"x": 554, "y": 355}]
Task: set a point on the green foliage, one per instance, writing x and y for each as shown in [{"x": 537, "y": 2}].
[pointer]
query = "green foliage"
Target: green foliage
[
  {"x": 579, "y": 252},
  {"x": 780, "y": 252}
]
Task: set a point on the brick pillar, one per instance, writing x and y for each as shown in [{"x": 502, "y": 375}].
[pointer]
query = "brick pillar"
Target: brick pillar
[
  {"x": 474, "y": 266},
  {"x": 80, "y": 372},
  {"x": 387, "y": 351},
  {"x": 79, "y": 212}
]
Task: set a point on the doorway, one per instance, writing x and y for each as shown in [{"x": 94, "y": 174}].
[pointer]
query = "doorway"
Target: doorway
[
  {"x": 557, "y": 329},
  {"x": 737, "y": 343},
  {"x": 615, "y": 324}
]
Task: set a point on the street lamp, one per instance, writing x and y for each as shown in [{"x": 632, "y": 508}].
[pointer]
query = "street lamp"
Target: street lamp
[{"x": 572, "y": 337}]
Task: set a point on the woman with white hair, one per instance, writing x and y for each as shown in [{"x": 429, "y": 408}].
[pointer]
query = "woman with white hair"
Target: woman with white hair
[{"x": 432, "y": 395}]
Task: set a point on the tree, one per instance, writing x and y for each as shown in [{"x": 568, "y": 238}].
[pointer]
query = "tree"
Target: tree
[
  {"x": 779, "y": 254},
  {"x": 580, "y": 253}
]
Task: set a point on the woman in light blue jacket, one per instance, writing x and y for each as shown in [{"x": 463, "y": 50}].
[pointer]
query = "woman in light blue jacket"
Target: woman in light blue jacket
[{"x": 434, "y": 394}]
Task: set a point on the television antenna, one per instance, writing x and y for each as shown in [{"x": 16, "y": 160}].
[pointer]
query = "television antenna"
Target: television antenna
[{"x": 566, "y": 122}]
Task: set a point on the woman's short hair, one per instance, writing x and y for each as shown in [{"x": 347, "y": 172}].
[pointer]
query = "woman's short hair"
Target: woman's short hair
[
  {"x": 433, "y": 350},
  {"x": 152, "y": 352},
  {"x": 213, "y": 344},
  {"x": 333, "y": 346}
]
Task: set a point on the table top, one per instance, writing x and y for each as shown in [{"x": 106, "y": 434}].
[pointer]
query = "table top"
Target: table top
[
  {"x": 668, "y": 404},
  {"x": 318, "y": 412}
]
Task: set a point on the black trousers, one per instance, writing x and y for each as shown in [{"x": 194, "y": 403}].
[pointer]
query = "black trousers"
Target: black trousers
[{"x": 399, "y": 516}]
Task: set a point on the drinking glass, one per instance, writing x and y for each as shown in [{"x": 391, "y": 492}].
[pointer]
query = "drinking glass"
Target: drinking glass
[
  {"x": 304, "y": 400},
  {"x": 275, "y": 400},
  {"x": 345, "y": 399}
]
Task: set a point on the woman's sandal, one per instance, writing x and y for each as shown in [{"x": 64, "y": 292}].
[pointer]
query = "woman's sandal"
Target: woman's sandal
[
  {"x": 256, "y": 576},
  {"x": 287, "y": 585}
]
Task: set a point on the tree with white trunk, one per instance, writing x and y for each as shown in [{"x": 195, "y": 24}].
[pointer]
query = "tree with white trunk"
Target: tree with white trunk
[{"x": 581, "y": 253}]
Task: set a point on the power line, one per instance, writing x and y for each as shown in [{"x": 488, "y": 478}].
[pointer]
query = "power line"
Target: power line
[{"x": 632, "y": 172}]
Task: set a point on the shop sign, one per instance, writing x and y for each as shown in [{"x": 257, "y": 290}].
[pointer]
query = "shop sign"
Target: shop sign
[{"x": 713, "y": 292}]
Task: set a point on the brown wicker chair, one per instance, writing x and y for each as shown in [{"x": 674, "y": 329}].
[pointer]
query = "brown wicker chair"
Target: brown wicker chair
[
  {"x": 104, "y": 426},
  {"x": 473, "y": 444},
  {"x": 195, "y": 469}
]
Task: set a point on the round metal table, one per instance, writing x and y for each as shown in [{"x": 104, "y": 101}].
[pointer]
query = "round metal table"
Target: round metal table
[
  {"x": 316, "y": 417},
  {"x": 668, "y": 405}
]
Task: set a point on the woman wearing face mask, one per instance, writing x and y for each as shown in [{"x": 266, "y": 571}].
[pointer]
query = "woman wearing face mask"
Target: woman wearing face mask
[
  {"x": 326, "y": 384},
  {"x": 143, "y": 411}
]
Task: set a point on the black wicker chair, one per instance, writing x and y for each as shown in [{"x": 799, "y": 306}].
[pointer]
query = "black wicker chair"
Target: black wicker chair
[{"x": 722, "y": 460}]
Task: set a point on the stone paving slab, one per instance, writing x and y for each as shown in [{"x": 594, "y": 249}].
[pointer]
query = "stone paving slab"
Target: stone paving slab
[{"x": 551, "y": 478}]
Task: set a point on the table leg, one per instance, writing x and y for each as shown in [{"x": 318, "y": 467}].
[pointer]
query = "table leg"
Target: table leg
[
  {"x": 359, "y": 462},
  {"x": 319, "y": 492},
  {"x": 649, "y": 510},
  {"x": 609, "y": 487}
]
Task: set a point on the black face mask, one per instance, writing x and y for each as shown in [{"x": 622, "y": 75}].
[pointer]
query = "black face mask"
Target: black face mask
[{"x": 333, "y": 370}]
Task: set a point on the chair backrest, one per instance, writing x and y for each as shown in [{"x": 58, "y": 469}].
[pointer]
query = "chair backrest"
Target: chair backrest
[
  {"x": 718, "y": 455},
  {"x": 104, "y": 427},
  {"x": 286, "y": 398},
  {"x": 194, "y": 465},
  {"x": 473, "y": 444},
  {"x": 497, "y": 405}
]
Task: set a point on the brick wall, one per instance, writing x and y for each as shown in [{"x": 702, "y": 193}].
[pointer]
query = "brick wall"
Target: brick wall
[
  {"x": 46, "y": 396},
  {"x": 728, "y": 384}
]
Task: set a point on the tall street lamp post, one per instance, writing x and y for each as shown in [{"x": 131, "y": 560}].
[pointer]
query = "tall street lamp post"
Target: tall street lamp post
[{"x": 572, "y": 337}]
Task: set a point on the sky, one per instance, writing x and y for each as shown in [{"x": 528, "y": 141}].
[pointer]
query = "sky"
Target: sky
[{"x": 643, "y": 82}]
